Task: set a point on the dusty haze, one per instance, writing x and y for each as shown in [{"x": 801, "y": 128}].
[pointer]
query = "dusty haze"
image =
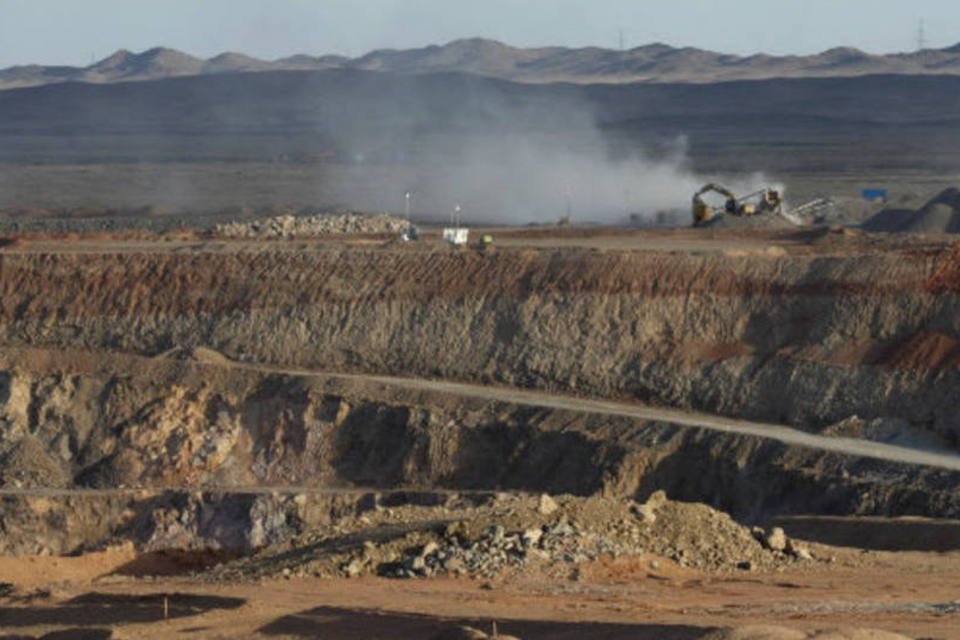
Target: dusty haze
[{"x": 506, "y": 162}]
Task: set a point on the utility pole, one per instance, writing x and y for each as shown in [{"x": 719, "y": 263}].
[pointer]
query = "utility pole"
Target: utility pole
[{"x": 921, "y": 35}]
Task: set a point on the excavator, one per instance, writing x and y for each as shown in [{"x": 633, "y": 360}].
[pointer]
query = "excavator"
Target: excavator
[{"x": 759, "y": 202}]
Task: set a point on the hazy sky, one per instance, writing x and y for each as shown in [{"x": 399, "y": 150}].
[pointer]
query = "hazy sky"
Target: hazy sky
[{"x": 73, "y": 31}]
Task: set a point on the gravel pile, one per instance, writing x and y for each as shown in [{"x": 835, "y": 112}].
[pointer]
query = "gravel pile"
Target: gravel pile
[
  {"x": 692, "y": 535},
  {"x": 939, "y": 215},
  {"x": 511, "y": 532},
  {"x": 497, "y": 550},
  {"x": 316, "y": 225}
]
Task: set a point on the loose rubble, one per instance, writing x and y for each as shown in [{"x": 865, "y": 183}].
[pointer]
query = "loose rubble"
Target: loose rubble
[
  {"x": 503, "y": 533},
  {"x": 316, "y": 225},
  {"x": 497, "y": 549}
]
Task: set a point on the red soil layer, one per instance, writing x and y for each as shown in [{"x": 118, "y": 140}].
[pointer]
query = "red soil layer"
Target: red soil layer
[
  {"x": 921, "y": 351},
  {"x": 36, "y": 285},
  {"x": 150, "y": 280}
]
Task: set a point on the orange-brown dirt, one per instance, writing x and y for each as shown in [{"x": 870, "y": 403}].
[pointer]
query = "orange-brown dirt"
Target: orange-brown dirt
[{"x": 906, "y": 593}]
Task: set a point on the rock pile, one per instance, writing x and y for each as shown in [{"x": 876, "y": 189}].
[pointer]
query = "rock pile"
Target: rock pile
[
  {"x": 939, "y": 215},
  {"x": 695, "y": 535},
  {"x": 497, "y": 549},
  {"x": 316, "y": 225},
  {"x": 776, "y": 540},
  {"x": 486, "y": 537}
]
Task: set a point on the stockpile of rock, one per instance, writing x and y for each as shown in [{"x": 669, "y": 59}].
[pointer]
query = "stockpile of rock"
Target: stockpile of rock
[
  {"x": 497, "y": 549},
  {"x": 488, "y": 536},
  {"x": 939, "y": 215},
  {"x": 570, "y": 531},
  {"x": 316, "y": 225},
  {"x": 698, "y": 536}
]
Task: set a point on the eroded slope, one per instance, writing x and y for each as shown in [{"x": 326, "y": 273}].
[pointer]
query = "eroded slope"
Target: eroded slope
[{"x": 804, "y": 338}]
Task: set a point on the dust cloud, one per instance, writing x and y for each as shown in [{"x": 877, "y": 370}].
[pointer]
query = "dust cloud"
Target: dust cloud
[
  {"x": 526, "y": 179},
  {"x": 529, "y": 179},
  {"x": 523, "y": 161}
]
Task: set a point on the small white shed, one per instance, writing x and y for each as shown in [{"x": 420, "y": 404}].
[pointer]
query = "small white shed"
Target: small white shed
[{"x": 456, "y": 235}]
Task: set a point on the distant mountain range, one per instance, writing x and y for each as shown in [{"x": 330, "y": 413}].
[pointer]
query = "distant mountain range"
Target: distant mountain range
[{"x": 649, "y": 63}]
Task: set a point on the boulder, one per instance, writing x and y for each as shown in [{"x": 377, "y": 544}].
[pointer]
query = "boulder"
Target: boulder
[
  {"x": 531, "y": 537},
  {"x": 776, "y": 540},
  {"x": 547, "y": 505}
]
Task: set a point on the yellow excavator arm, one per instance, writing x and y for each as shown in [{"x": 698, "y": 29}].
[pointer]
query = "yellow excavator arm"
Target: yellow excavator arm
[
  {"x": 703, "y": 212},
  {"x": 715, "y": 188}
]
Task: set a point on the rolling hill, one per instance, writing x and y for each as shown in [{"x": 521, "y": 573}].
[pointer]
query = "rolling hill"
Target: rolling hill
[{"x": 648, "y": 63}]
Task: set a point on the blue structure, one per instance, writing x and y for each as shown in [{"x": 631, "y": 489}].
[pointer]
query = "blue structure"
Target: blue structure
[{"x": 876, "y": 194}]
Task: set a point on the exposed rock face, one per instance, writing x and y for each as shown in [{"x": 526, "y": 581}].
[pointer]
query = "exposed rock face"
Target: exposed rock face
[
  {"x": 29, "y": 463},
  {"x": 808, "y": 341},
  {"x": 235, "y": 522},
  {"x": 156, "y": 423},
  {"x": 798, "y": 339}
]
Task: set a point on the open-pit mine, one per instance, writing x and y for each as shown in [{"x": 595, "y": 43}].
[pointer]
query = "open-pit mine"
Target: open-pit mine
[{"x": 570, "y": 433}]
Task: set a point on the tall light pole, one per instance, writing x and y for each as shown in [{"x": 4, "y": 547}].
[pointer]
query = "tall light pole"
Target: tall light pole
[{"x": 406, "y": 205}]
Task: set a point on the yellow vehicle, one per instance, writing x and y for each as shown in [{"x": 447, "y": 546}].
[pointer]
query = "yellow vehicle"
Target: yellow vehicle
[{"x": 759, "y": 202}]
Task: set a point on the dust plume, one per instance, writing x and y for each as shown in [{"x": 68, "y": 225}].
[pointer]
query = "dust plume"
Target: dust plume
[{"x": 519, "y": 159}]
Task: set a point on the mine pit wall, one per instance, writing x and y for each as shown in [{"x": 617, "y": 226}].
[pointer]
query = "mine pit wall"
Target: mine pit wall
[
  {"x": 164, "y": 453},
  {"x": 231, "y": 522},
  {"x": 797, "y": 339}
]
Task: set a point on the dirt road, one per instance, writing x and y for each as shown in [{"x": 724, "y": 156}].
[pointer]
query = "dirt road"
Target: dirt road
[{"x": 786, "y": 435}]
